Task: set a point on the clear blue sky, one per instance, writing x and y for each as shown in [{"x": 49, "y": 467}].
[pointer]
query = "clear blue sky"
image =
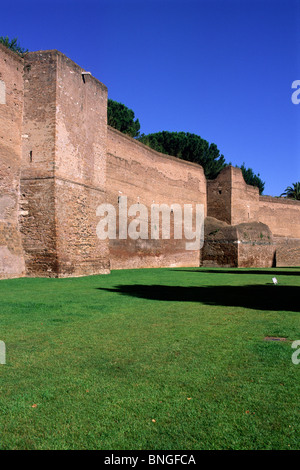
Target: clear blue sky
[{"x": 222, "y": 69}]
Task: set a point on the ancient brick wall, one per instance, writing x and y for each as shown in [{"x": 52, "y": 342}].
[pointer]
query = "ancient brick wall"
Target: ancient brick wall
[
  {"x": 256, "y": 246},
  {"x": 11, "y": 108},
  {"x": 59, "y": 162},
  {"x": 63, "y": 168},
  {"x": 281, "y": 215},
  {"x": 248, "y": 244},
  {"x": 287, "y": 251},
  {"x": 230, "y": 199},
  {"x": 220, "y": 244},
  {"x": 244, "y": 202},
  {"x": 80, "y": 169},
  {"x": 148, "y": 177},
  {"x": 219, "y": 196},
  {"x": 37, "y": 167}
]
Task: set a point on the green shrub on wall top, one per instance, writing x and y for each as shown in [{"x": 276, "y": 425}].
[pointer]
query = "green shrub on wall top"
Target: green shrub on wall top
[{"x": 13, "y": 45}]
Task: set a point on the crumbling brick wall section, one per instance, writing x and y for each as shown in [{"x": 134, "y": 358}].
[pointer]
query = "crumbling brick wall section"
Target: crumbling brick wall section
[
  {"x": 248, "y": 244},
  {"x": 11, "y": 108},
  {"x": 148, "y": 177},
  {"x": 231, "y": 200},
  {"x": 63, "y": 175},
  {"x": 220, "y": 244},
  {"x": 256, "y": 247}
]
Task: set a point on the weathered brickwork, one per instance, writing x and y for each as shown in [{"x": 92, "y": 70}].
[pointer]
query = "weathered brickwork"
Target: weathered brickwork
[
  {"x": 59, "y": 161},
  {"x": 220, "y": 244},
  {"x": 287, "y": 251},
  {"x": 64, "y": 155},
  {"x": 256, "y": 246},
  {"x": 80, "y": 170},
  {"x": 38, "y": 228},
  {"x": 11, "y": 108},
  {"x": 37, "y": 221},
  {"x": 147, "y": 177},
  {"x": 231, "y": 200},
  {"x": 281, "y": 215},
  {"x": 249, "y": 244},
  {"x": 79, "y": 250}
]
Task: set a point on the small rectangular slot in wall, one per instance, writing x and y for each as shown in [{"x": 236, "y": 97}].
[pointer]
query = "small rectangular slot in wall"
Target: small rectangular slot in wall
[
  {"x": 30, "y": 156},
  {"x": 2, "y": 92}
]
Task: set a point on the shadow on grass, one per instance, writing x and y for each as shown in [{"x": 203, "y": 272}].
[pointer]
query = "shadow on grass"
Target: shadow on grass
[
  {"x": 257, "y": 297},
  {"x": 271, "y": 272}
]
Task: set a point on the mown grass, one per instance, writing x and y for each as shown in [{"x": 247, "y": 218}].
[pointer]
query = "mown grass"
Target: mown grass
[{"x": 154, "y": 359}]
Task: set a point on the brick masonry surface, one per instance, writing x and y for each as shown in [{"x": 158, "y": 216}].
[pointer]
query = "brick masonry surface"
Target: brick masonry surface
[{"x": 59, "y": 161}]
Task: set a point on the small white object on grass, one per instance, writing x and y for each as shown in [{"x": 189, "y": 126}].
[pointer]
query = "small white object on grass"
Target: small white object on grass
[{"x": 274, "y": 280}]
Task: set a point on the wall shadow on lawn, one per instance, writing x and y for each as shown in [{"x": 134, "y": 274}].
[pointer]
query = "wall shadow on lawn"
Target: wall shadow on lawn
[
  {"x": 240, "y": 271},
  {"x": 257, "y": 297}
]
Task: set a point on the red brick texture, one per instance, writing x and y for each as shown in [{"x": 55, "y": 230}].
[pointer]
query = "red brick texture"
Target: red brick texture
[
  {"x": 231, "y": 200},
  {"x": 59, "y": 161},
  {"x": 247, "y": 244},
  {"x": 11, "y": 109},
  {"x": 64, "y": 167},
  {"x": 148, "y": 177}
]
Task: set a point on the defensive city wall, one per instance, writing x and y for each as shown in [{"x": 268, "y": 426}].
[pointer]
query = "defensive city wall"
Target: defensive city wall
[{"x": 59, "y": 161}]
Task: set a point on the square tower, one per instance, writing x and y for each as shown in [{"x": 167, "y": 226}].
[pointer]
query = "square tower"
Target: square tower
[{"x": 63, "y": 171}]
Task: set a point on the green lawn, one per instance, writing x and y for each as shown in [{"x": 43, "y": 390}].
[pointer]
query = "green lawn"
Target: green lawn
[{"x": 153, "y": 359}]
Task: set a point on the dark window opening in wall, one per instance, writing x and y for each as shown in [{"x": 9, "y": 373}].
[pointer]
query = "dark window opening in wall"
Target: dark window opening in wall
[
  {"x": 30, "y": 156},
  {"x": 119, "y": 198},
  {"x": 220, "y": 191}
]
